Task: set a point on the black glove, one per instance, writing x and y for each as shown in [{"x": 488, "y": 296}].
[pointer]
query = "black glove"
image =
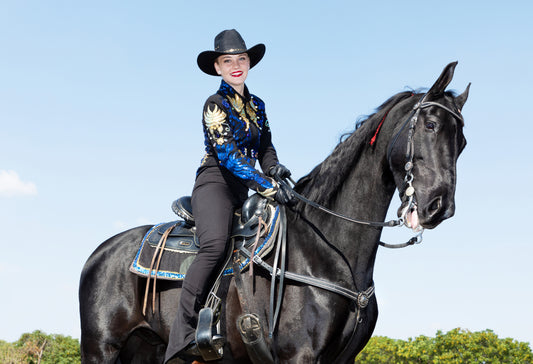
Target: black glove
[
  {"x": 284, "y": 195},
  {"x": 279, "y": 172}
]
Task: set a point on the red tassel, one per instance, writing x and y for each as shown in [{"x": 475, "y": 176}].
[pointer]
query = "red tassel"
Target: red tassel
[
  {"x": 373, "y": 140},
  {"x": 379, "y": 127}
]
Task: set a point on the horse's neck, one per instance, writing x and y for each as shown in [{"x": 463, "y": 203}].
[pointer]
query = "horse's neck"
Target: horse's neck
[
  {"x": 367, "y": 190},
  {"x": 364, "y": 194}
]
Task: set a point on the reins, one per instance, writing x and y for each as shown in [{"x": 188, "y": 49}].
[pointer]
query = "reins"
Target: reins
[{"x": 391, "y": 223}]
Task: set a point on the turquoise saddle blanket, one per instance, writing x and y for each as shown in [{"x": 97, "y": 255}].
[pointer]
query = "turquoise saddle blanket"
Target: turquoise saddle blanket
[{"x": 169, "y": 259}]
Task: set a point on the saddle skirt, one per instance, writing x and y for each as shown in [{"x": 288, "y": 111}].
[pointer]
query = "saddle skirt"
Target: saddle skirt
[{"x": 168, "y": 249}]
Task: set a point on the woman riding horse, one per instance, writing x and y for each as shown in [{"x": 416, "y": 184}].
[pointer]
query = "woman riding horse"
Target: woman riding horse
[
  {"x": 316, "y": 324},
  {"x": 237, "y": 134}
]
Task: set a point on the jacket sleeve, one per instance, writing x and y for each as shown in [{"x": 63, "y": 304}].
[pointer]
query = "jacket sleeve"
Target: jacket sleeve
[{"x": 219, "y": 133}]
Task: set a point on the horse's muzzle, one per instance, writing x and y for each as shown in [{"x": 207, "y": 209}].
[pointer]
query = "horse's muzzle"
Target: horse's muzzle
[{"x": 435, "y": 211}]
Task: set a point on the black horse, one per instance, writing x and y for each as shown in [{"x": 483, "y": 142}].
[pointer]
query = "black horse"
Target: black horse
[{"x": 411, "y": 144}]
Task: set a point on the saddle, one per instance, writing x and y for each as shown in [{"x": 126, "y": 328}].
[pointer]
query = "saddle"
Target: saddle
[{"x": 254, "y": 225}]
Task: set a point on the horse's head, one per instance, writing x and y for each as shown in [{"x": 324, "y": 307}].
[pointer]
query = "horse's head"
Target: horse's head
[{"x": 423, "y": 154}]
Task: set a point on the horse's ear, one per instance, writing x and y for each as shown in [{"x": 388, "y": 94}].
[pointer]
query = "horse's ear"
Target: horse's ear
[
  {"x": 461, "y": 99},
  {"x": 444, "y": 80}
]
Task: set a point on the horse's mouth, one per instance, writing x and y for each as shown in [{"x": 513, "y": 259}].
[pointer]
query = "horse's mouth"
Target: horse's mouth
[
  {"x": 410, "y": 216},
  {"x": 427, "y": 217}
]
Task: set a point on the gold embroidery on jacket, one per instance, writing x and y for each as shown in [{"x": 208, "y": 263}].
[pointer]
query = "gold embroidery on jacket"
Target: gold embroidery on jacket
[
  {"x": 239, "y": 107},
  {"x": 250, "y": 109},
  {"x": 214, "y": 121},
  {"x": 236, "y": 102}
]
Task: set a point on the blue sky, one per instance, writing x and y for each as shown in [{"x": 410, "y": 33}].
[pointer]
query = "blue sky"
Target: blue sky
[{"x": 100, "y": 111}]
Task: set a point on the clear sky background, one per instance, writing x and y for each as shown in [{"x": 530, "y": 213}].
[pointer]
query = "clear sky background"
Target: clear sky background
[{"x": 100, "y": 130}]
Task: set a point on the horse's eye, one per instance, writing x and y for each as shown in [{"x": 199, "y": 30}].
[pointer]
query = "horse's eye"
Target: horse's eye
[{"x": 430, "y": 125}]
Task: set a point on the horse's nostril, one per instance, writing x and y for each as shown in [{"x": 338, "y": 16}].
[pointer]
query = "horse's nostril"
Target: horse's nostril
[{"x": 435, "y": 205}]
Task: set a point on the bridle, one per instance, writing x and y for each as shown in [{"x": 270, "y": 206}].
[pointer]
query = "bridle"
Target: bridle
[{"x": 409, "y": 190}]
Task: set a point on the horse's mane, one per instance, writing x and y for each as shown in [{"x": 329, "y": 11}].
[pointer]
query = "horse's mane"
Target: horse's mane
[{"x": 326, "y": 178}]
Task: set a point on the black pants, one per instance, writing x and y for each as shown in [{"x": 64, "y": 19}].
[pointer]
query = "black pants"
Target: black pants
[{"x": 214, "y": 200}]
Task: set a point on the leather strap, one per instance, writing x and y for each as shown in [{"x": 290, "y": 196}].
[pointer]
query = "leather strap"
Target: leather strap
[
  {"x": 456, "y": 115},
  {"x": 159, "y": 249},
  {"x": 257, "y": 236},
  {"x": 390, "y": 223},
  {"x": 317, "y": 282},
  {"x": 281, "y": 249},
  {"x": 239, "y": 284}
]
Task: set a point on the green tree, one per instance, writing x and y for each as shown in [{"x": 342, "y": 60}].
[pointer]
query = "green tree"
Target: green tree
[
  {"x": 380, "y": 349},
  {"x": 32, "y": 345},
  {"x": 456, "y": 346},
  {"x": 62, "y": 350},
  {"x": 9, "y": 354},
  {"x": 40, "y": 348}
]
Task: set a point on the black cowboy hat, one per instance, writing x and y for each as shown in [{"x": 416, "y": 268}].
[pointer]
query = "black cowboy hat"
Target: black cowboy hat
[{"x": 229, "y": 42}]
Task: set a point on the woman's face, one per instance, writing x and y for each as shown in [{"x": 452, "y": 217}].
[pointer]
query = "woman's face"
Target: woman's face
[{"x": 234, "y": 69}]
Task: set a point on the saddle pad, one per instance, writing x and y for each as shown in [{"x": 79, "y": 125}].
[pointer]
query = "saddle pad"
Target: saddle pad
[{"x": 180, "y": 251}]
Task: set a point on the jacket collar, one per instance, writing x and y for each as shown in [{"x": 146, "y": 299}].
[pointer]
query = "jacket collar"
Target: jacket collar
[{"x": 226, "y": 90}]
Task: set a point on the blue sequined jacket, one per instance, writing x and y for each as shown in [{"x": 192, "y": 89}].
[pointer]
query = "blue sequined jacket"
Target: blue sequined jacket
[{"x": 237, "y": 134}]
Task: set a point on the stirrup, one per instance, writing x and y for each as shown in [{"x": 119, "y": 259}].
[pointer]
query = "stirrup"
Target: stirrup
[{"x": 211, "y": 347}]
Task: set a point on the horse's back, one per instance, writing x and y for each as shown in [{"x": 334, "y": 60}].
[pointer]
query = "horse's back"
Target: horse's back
[{"x": 110, "y": 258}]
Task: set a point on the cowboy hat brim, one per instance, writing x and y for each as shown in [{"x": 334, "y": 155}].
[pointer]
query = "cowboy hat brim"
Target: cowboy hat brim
[{"x": 207, "y": 59}]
